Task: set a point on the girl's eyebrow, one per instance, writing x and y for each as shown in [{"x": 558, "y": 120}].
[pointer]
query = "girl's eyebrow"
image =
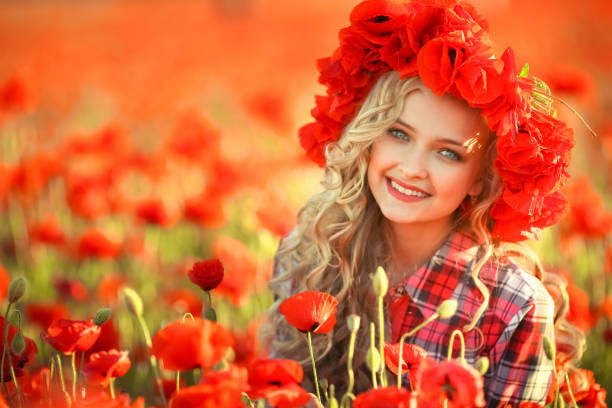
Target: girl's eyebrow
[{"x": 448, "y": 141}]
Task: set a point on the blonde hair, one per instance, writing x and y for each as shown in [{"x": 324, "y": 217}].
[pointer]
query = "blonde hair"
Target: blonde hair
[{"x": 341, "y": 238}]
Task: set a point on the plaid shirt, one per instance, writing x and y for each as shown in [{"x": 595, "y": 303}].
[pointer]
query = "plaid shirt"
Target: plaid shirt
[{"x": 509, "y": 333}]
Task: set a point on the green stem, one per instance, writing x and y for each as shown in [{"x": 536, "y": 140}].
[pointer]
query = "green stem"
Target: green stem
[
  {"x": 61, "y": 375},
  {"x": 111, "y": 387},
  {"x": 74, "y": 375},
  {"x": 351, "y": 375},
  {"x": 456, "y": 333},
  {"x": 423, "y": 324},
  {"x": 569, "y": 388},
  {"x": 373, "y": 345},
  {"x": 5, "y": 337},
  {"x": 178, "y": 381},
  {"x": 314, "y": 368},
  {"x": 19, "y": 394},
  {"x": 381, "y": 340},
  {"x": 152, "y": 359},
  {"x": 401, "y": 359}
]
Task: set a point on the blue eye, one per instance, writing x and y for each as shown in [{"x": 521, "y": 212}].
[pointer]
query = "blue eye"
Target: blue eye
[
  {"x": 449, "y": 154},
  {"x": 397, "y": 133}
]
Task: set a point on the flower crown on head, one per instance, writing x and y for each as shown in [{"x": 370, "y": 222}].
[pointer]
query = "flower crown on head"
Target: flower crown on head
[{"x": 446, "y": 43}]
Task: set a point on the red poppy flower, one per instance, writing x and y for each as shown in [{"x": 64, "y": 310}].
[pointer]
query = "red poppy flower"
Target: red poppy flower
[
  {"x": 153, "y": 211},
  {"x": 310, "y": 311},
  {"x": 247, "y": 346},
  {"x": 47, "y": 232},
  {"x": 460, "y": 383},
  {"x": 217, "y": 389},
  {"x": 71, "y": 289},
  {"x": 193, "y": 138},
  {"x": 276, "y": 215},
  {"x": 94, "y": 244},
  {"x": 184, "y": 300},
  {"x": 108, "y": 287},
  {"x": 202, "y": 344},
  {"x": 17, "y": 94},
  {"x": 240, "y": 269},
  {"x": 579, "y": 310},
  {"x": 104, "y": 366},
  {"x": 277, "y": 381},
  {"x": 588, "y": 217},
  {"x": 205, "y": 209},
  {"x": 18, "y": 361},
  {"x": 107, "y": 340},
  {"x": 45, "y": 313},
  {"x": 207, "y": 274},
  {"x": 5, "y": 281},
  {"x": 384, "y": 397},
  {"x": 585, "y": 390},
  {"x": 412, "y": 357},
  {"x": 208, "y": 396},
  {"x": 33, "y": 173},
  {"x": 109, "y": 140},
  {"x": 68, "y": 336},
  {"x": 270, "y": 107}
]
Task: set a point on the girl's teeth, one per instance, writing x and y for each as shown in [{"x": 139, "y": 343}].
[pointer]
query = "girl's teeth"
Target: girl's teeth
[{"x": 406, "y": 191}]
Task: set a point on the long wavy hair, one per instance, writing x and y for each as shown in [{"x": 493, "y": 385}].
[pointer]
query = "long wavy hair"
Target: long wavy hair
[{"x": 342, "y": 237}]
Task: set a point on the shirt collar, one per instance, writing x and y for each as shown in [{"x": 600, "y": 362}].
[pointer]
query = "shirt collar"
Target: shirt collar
[{"x": 439, "y": 278}]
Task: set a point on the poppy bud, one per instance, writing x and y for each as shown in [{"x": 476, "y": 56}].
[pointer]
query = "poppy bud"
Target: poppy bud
[
  {"x": 132, "y": 301},
  {"x": 323, "y": 383},
  {"x": 18, "y": 344},
  {"x": 17, "y": 289},
  {"x": 373, "y": 359},
  {"x": 447, "y": 309},
  {"x": 549, "y": 348},
  {"x": 353, "y": 322},
  {"x": 381, "y": 282},
  {"x": 102, "y": 316},
  {"x": 207, "y": 274},
  {"x": 482, "y": 365}
]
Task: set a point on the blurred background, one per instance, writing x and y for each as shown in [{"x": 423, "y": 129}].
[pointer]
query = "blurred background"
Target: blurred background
[{"x": 137, "y": 137}]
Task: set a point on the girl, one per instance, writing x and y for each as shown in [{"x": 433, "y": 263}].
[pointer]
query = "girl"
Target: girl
[{"x": 439, "y": 158}]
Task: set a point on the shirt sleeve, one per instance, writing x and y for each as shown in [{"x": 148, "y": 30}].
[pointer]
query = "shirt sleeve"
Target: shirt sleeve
[{"x": 523, "y": 372}]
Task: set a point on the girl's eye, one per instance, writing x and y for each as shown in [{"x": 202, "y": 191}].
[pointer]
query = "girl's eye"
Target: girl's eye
[
  {"x": 449, "y": 154},
  {"x": 397, "y": 133}
]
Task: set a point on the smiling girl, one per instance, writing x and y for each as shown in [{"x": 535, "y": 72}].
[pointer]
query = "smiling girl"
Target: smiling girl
[{"x": 439, "y": 159}]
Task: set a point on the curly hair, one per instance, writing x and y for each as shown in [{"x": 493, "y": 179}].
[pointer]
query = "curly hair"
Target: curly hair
[{"x": 341, "y": 238}]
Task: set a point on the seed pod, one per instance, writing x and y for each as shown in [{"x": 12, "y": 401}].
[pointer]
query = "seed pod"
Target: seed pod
[
  {"x": 17, "y": 289},
  {"x": 18, "y": 344},
  {"x": 381, "y": 282},
  {"x": 549, "y": 348},
  {"x": 373, "y": 359},
  {"x": 353, "y": 322},
  {"x": 102, "y": 316},
  {"x": 132, "y": 301},
  {"x": 482, "y": 365},
  {"x": 447, "y": 309}
]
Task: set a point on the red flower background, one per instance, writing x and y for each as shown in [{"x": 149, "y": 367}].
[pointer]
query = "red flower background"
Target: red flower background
[{"x": 139, "y": 138}]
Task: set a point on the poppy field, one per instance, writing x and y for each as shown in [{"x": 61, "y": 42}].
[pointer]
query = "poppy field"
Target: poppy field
[{"x": 149, "y": 165}]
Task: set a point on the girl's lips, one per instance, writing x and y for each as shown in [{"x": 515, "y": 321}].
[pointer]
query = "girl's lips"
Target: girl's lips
[
  {"x": 408, "y": 186},
  {"x": 405, "y": 197}
]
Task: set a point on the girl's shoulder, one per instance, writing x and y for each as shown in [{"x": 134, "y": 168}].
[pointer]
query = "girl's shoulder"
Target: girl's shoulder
[{"x": 516, "y": 290}]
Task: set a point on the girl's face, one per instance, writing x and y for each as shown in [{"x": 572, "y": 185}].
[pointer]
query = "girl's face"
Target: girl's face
[{"x": 428, "y": 161}]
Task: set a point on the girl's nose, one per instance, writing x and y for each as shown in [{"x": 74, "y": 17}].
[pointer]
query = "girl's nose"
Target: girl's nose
[{"x": 414, "y": 167}]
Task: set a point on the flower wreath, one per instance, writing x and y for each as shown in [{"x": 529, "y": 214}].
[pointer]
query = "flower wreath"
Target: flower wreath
[{"x": 446, "y": 43}]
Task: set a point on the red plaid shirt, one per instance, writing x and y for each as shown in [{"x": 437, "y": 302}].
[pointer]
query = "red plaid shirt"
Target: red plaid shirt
[{"x": 509, "y": 333}]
